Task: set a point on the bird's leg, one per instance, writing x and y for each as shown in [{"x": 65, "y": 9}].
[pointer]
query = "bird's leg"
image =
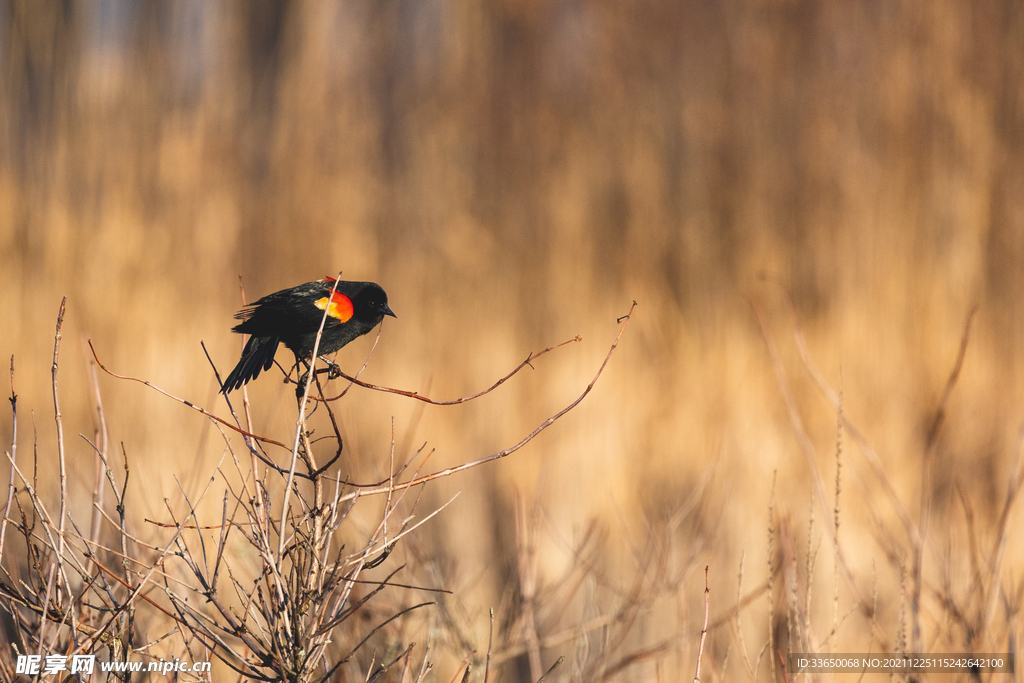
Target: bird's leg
[
  {"x": 333, "y": 369},
  {"x": 300, "y": 386}
]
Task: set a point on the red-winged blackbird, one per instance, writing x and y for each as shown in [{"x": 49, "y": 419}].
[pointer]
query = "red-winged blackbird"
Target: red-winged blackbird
[{"x": 292, "y": 316}]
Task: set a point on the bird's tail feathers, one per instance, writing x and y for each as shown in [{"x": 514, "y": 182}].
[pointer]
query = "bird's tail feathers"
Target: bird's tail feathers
[{"x": 258, "y": 356}]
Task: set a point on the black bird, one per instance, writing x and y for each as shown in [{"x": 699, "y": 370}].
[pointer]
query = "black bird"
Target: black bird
[{"x": 292, "y": 317}]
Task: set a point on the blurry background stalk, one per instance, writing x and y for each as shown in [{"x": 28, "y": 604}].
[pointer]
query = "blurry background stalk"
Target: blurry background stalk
[{"x": 515, "y": 173}]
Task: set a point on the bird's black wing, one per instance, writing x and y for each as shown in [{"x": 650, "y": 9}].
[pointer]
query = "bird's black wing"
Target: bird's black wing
[{"x": 286, "y": 313}]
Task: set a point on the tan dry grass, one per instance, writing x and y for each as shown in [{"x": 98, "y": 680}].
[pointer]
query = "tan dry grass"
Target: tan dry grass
[{"x": 514, "y": 174}]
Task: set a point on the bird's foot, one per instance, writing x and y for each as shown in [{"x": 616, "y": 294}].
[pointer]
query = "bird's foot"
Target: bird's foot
[
  {"x": 300, "y": 386},
  {"x": 333, "y": 369}
]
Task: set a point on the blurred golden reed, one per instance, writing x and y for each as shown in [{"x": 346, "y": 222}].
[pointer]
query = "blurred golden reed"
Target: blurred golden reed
[{"x": 515, "y": 173}]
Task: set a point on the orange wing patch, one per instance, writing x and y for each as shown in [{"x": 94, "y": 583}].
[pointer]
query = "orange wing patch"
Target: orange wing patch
[{"x": 340, "y": 308}]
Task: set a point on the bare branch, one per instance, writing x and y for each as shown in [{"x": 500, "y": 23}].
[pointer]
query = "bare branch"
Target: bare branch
[
  {"x": 379, "y": 488},
  {"x": 457, "y": 401}
]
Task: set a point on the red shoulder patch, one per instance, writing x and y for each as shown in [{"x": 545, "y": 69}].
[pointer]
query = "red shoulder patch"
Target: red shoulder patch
[{"x": 340, "y": 308}]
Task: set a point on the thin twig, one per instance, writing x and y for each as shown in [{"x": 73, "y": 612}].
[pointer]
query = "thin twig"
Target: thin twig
[
  {"x": 785, "y": 676},
  {"x": 101, "y": 443},
  {"x": 464, "y": 663},
  {"x": 704, "y": 631},
  {"x": 548, "y": 672},
  {"x": 62, "y": 515},
  {"x": 807, "y": 448},
  {"x": 384, "y": 667},
  {"x": 373, "y": 347},
  {"x": 382, "y": 625},
  {"x": 14, "y": 458},
  {"x": 182, "y": 401},
  {"x": 992, "y": 590},
  {"x": 737, "y": 626},
  {"x": 490, "y": 638},
  {"x": 832, "y": 396},
  {"x": 457, "y": 401},
  {"x": 381, "y": 487},
  {"x": 924, "y": 516}
]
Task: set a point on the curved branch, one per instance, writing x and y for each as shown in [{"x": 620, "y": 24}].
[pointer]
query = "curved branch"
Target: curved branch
[
  {"x": 193, "y": 406},
  {"x": 454, "y": 402},
  {"x": 385, "y": 486}
]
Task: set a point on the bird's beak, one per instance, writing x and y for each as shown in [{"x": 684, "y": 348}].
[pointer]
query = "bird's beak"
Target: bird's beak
[{"x": 387, "y": 311}]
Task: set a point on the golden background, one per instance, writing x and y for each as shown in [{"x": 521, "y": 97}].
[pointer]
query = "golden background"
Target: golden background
[{"x": 516, "y": 173}]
